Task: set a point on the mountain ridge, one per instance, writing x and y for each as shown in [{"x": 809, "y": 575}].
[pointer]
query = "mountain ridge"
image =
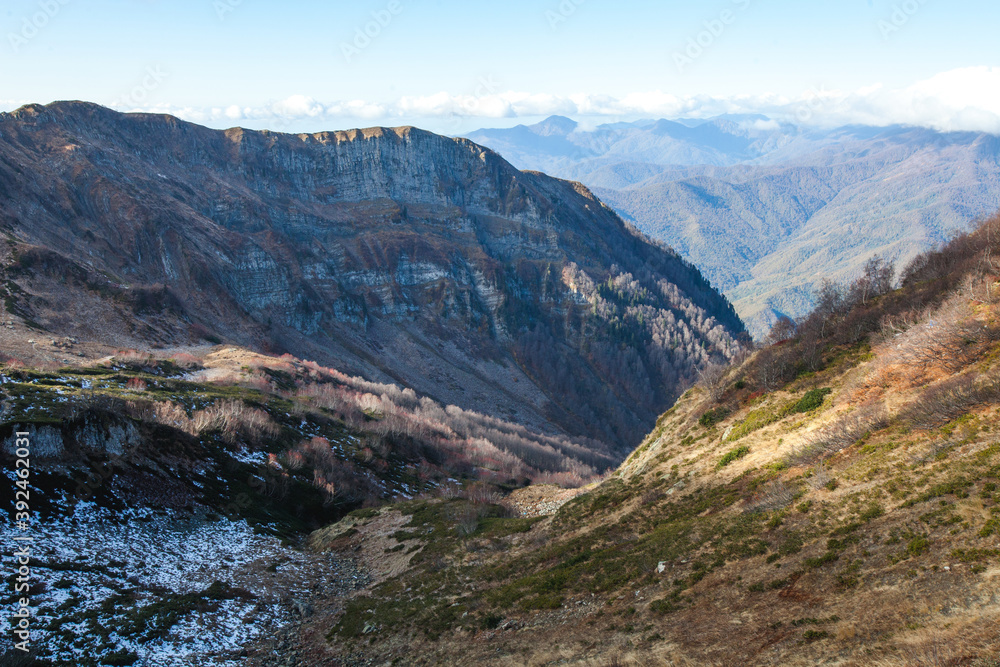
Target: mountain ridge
[
  {"x": 769, "y": 216},
  {"x": 393, "y": 253}
]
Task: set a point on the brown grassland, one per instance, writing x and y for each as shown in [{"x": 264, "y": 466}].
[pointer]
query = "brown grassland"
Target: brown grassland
[{"x": 832, "y": 499}]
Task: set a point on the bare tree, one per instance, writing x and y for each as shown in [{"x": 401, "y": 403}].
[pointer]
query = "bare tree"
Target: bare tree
[
  {"x": 949, "y": 337},
  {"x": 877, "y": 279}
]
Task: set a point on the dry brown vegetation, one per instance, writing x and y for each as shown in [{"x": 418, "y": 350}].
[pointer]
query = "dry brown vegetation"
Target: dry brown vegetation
[
  {"x": 832, "y": 499},
  {"x": 393, "y": 423}
]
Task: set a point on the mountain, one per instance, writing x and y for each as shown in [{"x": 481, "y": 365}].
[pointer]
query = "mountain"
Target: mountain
[
  {"x": 768, "y": 210},
  {"x": 832, "y": 498},
  {"x": 557, "y": 145},
  {"x": 393, "y": 254}
]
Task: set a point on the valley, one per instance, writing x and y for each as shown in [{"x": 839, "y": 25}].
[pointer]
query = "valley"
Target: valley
[
  {"x": 767, "y": 209},
  {"x": 451, "y": 334},
  {"x": 203, "y": 495}
]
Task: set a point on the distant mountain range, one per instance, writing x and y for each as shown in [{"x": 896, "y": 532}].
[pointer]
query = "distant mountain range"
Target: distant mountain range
[
  {"x": 394, "y": 254},
  {"x": 768, "y": 209}
]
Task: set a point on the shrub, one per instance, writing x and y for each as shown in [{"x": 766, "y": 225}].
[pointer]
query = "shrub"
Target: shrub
[
  {"x": 820, "y": 561},
  {"x": 755, "y": 420},
  {"x": 791, "y": 545},
  {"x": 812, "y": 400},
  {"x": 136, "y": 384},
  {"x": 491, "y": 622},
  {"x": 950, "y": 337},
  {"x": 873, "y": 511},
  {"x": 952, "y": 398},
  {"x": 713, "y": 417},
  {"x": 664, "y": 606},
  {"x": 918, "y": 545},
  {"x": 733, "y": 455},
  {"x": 775, "y": 495},
  {"x": 992, "y": 527}
]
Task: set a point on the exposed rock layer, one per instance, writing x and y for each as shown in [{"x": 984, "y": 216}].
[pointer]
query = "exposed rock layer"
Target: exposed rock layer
[{"x": 393, "y": 253}]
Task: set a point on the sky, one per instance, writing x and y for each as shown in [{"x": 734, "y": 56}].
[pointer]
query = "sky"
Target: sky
[{"x": 452, "y": 66}]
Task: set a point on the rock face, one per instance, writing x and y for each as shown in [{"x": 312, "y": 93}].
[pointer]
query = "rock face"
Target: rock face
[{"x": 392, "y": 253}]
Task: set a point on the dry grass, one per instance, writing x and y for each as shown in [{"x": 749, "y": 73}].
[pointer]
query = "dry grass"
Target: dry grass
[{"x": 865, "y": 584}]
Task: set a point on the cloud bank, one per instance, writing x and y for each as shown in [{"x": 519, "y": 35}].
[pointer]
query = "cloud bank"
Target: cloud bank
[{"x": 965, "y": 99}]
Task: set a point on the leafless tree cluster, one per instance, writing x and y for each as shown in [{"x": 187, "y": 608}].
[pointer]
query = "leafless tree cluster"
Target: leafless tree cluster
[
  {"x": 975, "y": 253},
  {"x": 844, "y": 432},
  {"x": 465, "y": 438},
  {"x": 876, "y": 279},
  {"x": 772, "y": 496},
  {"x": 649, "y": 334},
  {"x": 982, "y": 288},
  {"x": 711, "y": 378},
  {"x": 820, "y": 477},
  {"x": 236, "y": 422},
  {"x": 952, "y": 398},
  {"x": 335, "y": 477},
  {"x": 948, "y": 337},
  {"x": 847, "y": 315}
]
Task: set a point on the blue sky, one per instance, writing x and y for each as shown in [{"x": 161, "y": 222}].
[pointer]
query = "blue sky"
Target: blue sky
[{"x": 452, "y": 66}]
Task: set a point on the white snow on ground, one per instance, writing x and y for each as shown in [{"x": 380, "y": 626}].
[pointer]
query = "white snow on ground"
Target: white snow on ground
[
  {"x": 93, "y": 554},
  {"x": 250, "y": 456}
]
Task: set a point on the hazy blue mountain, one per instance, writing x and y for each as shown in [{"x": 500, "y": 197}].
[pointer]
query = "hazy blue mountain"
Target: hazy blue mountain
[{"x": 767, "y": 209}]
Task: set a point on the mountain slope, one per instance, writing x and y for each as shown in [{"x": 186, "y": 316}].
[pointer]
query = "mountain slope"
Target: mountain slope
[
  {"x": 766, "y": 210},
  {"x": 395, "y": 254},
  {"x": 831, "y": 500}
]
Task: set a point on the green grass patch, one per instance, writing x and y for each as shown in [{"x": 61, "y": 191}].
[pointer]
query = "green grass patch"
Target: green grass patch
[
  {"x": 733, "y": 455},
  {"x": 754, "y": 421},
  {"x": 810, "y": 401}
]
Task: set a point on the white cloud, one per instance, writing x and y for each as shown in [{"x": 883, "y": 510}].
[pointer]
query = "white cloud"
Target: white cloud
[
  {"x": 298, "y": 106},
  {"x": 961, "y": 99},
  {"x": 765, "y": 125}
]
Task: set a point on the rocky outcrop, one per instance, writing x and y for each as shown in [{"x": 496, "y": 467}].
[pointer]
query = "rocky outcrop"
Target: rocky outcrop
[
  {"x": 393, "y": 253},
  {"x": 105, "y": 439}
]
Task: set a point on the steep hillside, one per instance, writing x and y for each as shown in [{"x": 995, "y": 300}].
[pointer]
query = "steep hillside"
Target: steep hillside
[
  {"x": 833, "y": 499},
  {"x": 766, "y": 210},
  {"x": 394, "y": 254},
  {"x": 169, "y": 498}
]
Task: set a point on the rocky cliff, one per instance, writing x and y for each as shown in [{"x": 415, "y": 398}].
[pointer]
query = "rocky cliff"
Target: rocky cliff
[{"x": 393, "y": 253}]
